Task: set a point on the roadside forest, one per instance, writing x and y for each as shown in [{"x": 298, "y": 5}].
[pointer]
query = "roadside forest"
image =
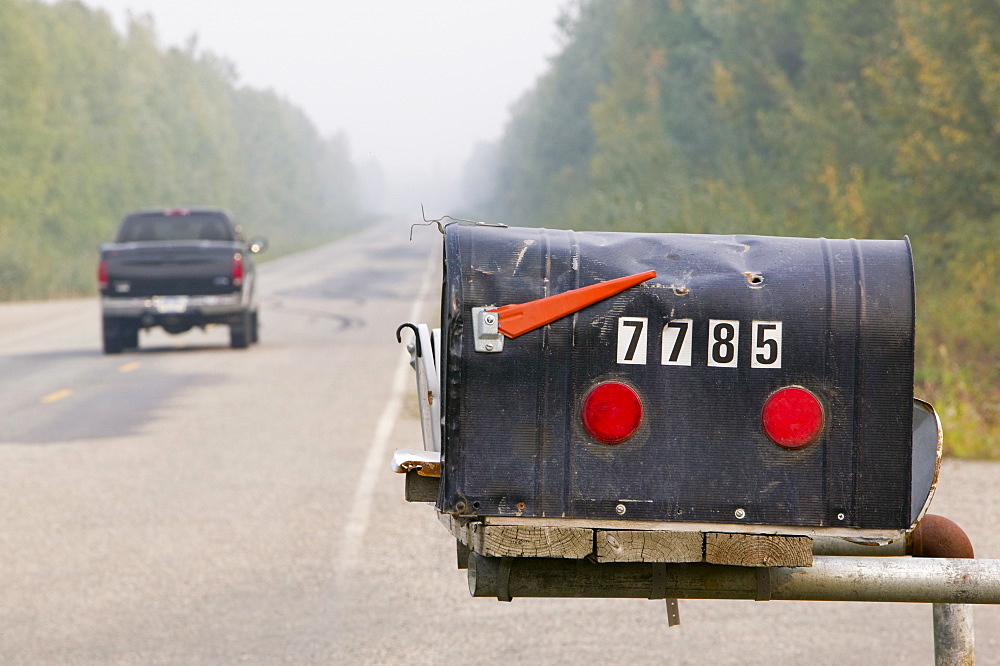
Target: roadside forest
[
  {"x": 787, "y": 117},
  {"x": 95, "y": 124}
]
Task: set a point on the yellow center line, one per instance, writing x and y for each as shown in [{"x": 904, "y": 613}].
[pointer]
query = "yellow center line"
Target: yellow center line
[
  {"x": 58, "y": 395},
  {"x": 129, "y": 367}
]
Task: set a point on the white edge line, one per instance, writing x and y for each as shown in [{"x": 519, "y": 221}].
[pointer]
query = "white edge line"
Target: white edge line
[{"x": 359, "y": 515}]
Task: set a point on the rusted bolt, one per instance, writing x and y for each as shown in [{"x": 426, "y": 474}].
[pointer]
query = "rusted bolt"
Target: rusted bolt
[
  {"x": 520, "y": 506},
  {"x": 620, "y": 509}
]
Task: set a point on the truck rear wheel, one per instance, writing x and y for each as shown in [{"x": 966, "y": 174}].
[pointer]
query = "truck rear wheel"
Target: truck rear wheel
[
  {"x": 131, "y": 335},
  {"x": 119, "y": 334},
  {"x": 241, "y": 331}
]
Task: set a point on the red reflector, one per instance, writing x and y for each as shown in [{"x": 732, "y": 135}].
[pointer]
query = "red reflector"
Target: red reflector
[
  {"x": 611, "y": 412},
  {"x": 102, "y": 275},
  {"x": 237, "y": 270},
  {"x": 792, "y": 417}
]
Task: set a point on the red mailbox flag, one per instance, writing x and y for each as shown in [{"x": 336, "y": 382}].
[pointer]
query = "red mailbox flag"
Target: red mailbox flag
[{"x": 518, "y": 319}]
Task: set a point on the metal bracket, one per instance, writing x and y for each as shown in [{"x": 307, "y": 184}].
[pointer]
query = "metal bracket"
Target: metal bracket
[
  {"x": 486, "y": 330},
  {"x": 503, "y": 582},
  {"x": 763, "y": 584},
  {"x": 424, "y": 354},
  {"x": 673, "y": 613},
  {"x": 658, "y": 590}
]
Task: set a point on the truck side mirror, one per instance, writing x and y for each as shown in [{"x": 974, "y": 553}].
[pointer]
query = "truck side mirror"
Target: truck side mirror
[{"x": 257, "y": 244}]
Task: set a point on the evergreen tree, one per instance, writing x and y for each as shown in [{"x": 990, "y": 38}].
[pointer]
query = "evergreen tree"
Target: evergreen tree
[
  {"x": 95, "y": 124},
  {"x": 788, "y": 117}
]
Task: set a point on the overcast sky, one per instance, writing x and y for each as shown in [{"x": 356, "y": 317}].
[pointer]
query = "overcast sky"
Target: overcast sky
[{"x": 414, "y": 84}]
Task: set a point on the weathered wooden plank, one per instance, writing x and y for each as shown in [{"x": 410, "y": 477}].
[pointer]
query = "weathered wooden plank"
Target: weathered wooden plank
[
  {"x": 521, "y": 541},
  {"x": 748, "y": 550},
  {"x": 518, "y": 541},
  {"x": 459, "y": 527},
  {"x": 648, "y": 546},
  {"x": 758, "y": 550},
  {"x": 843, "y": 531}
]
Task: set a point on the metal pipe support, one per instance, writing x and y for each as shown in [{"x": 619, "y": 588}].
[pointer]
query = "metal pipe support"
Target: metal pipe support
[{"x": 911, "y": 580}]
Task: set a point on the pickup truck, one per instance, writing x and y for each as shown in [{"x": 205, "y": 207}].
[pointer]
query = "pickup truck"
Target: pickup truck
[{"x": 178, "y": 269}]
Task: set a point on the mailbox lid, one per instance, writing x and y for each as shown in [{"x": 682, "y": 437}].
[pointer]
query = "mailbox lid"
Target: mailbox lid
[{"x": 514, "y": 442}]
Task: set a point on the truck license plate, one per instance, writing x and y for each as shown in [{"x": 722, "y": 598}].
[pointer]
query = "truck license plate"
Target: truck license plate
[{"x": 170, "y": 304}]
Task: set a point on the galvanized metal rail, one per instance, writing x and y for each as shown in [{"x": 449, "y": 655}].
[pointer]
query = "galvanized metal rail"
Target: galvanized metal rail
[
  {"x": 949, "y": 584},
  {"x": 941, "y": 572},
  {"x": 909, "y": 580}
]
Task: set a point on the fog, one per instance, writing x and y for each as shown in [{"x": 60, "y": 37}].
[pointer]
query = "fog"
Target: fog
[{"x": 414, "y": 86}]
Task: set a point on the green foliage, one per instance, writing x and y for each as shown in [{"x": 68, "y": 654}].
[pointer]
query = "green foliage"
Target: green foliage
[
  {"x": 95, "y": 124},
  {"x": 789, "y": 117},
  {"x": 546, "y": 154}
]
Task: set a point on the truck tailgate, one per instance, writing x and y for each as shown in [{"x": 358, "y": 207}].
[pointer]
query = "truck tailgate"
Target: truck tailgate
[{"x": 170, "y": 268}]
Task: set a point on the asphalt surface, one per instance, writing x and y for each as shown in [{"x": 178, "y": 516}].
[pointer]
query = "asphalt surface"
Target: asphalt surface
[{"x": 188, "y": 503}]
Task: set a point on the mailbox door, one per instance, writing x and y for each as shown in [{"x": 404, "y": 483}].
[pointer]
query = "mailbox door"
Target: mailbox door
[{"x": 727, "y": 322}]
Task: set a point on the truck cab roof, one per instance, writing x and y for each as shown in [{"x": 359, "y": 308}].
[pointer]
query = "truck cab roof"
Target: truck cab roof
[{"x": 179, "y": 224}]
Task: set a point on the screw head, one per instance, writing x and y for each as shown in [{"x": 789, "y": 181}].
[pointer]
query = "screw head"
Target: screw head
[
  {"x": 620, "y": 509},
  {"x": 741, "y": 514},
  {"x": 840, "y": 516},
  {"x": 490, "y": 319},
  {"x": 489, "y": 346}
]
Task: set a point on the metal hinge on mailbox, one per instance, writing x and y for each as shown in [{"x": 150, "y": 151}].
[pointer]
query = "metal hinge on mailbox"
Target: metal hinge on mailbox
[{"x": 486, "y": 329}]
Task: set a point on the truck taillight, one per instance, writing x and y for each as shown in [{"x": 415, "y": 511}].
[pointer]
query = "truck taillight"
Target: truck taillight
[
  {"x": 237, "y": 270},
  {"x": 611, "y": 412},
  {"x": 792, "y": 417},
  {"x": 102, "y": 275}
]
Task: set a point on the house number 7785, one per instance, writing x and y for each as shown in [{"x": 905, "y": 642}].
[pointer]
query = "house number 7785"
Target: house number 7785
[{"x": 724, "y": 337}]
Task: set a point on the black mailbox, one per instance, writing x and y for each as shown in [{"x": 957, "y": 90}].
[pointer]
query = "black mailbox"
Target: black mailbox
[{"x": 680, "y": 379}]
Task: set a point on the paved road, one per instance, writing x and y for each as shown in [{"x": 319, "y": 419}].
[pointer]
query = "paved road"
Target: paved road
[{"x": 192, "y": 504}]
